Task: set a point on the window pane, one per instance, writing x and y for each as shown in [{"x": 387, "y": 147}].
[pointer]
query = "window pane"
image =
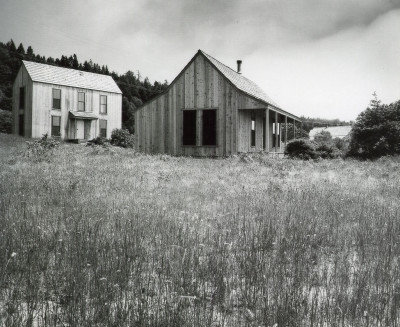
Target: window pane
[
  {"x": 209, "y": 127},
  {"x": 56, "y": 121},
  {"x": 103, "y": 123},
  {"x": 56, "y": 94},
  {"x": 103, "y": 99},
  {"x": 81, "y": 96},
  {"x": 189, "y": 127}
]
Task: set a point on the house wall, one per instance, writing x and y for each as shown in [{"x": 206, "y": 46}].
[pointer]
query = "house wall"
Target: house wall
[
  {"x": 42, "y": 101},
  {"x": 22, "y": 80},
  {"x": 200, "y": 86}
]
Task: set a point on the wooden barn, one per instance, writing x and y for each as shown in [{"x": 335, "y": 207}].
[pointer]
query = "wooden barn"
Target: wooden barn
[
  {"x": 210, "y": 109},
  {"x": 64, "y": 103}
]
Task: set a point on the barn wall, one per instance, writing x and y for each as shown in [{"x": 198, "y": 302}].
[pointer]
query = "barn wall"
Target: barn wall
[{"x": 22, "y": 80}]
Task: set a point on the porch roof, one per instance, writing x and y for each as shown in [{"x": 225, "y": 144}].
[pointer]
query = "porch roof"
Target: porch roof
[{"x": 82, "y": 115}]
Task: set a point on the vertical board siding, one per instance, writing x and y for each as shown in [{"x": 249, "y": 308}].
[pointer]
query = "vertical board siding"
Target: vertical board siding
[{"x": 200, "y": 86}]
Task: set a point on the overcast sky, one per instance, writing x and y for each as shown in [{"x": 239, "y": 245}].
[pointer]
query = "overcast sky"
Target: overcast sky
[{"x": 317, "y": 58}]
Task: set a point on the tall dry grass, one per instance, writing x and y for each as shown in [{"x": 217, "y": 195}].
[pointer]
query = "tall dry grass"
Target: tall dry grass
[{"x": 107, "y": 237}]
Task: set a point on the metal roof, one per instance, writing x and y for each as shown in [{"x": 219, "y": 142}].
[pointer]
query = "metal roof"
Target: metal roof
[
  {"x": 335, "y": 131},
  {"x": 70, "y": 77},
  {"x": 241, "y": 82}
]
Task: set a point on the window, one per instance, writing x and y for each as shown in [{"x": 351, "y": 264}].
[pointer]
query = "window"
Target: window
[
  {"x": 56, "y": 126},
  {"x": 22, "y": 98},
  {"x": 103, "y": 104},
  {"x": 56, "y": 99},
  {"x": 103, "y": 128},
  {"x": 189, "y": 127},
  {"x": 253, "y": 129},
  {"x": 210, "y": 127},
  {"x": 81, "y": 101},
  {"x": 275, "y": 131}
]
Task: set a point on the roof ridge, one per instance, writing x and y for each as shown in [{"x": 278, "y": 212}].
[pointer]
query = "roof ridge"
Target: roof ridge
[
  {"x": 221, "y": 63},
  {"x": 66, "y": 68}
]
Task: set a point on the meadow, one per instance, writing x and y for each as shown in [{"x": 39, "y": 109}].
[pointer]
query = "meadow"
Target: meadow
[{"x": 97, "y": 236}]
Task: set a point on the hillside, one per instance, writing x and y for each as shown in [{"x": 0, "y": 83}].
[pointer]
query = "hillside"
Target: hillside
[{"x": 135, "y": 89}]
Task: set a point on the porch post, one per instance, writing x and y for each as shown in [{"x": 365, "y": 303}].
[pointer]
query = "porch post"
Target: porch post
[
  {"x": 266, "y": 134},
  {"x": 294, "y": 128},
  {"x": 276, "y": 132},
  {"x": 286, "y": 131}
]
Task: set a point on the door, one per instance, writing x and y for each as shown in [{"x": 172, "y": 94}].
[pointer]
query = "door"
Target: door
[
  {"x": 88, "y": 124},
  {"x": 80, "y": 129}
]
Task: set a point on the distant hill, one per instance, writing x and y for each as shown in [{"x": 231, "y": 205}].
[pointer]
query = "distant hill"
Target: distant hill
[{"x": 135, "y": 89}]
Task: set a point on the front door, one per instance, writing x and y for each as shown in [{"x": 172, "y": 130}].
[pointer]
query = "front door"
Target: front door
[
  {"x": 80, "y": 129},
  {"x": 88, "y": 124}
]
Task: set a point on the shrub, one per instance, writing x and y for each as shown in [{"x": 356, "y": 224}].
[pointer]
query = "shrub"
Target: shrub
[
  {"x": 376, "y": 132},
  {"x": 327, "y": 151},
  {"x": 41, "y": 150},
  {"x": 122, "y": 138},
  {"x": 323, "y": 137},
  {"x": 98, "y": 141},
  {"x": 5, "y": 121},
  {"x": 301, "y": 149}
]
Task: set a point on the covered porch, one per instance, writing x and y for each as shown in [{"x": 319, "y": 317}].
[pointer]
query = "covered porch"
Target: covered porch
[
  {"x": 82, "y": 126},
  {"x": 265, "y": 129}
]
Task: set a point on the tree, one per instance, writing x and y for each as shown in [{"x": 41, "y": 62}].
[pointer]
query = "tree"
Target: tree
[
  {"x": 21, "y": 49},
  {"x": 376, "y": 131},
  {"x": 323, "y": 137}
]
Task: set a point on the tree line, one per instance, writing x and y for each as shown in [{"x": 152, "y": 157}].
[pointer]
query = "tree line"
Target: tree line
[{"x": 135, "y": 89}]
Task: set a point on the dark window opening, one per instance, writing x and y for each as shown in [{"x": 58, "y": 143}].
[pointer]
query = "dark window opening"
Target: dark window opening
[
  {"x": 56, "y": 126},
  {"x": 81, "y": 101},
  {"x": 210, "y": 127},
  {"x": 56, "y": 99},
  {"x": 103, "y": 128},
  {"x": 189, "y": 127},
  {"x": 103, "y": 104},
  {"x": 21, "y": 125},
  {"x": 22, "y": 98},
  {"x": 253, "y": 129}
]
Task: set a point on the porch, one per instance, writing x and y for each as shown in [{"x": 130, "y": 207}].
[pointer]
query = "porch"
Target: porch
[
  {"x": 265, "y": 130},
  {"x": 82, "y": 126}
]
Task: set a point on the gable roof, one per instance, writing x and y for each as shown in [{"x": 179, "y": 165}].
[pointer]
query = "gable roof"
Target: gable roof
[
  {"x": 335, "y": 131},
  {"x": 241, "y": 82},
  {"x": 70, "y": 77}
]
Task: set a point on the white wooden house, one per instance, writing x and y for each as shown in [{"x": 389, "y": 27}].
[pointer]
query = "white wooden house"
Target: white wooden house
[
  {"x": 64, "y": 103},
  {"x": 210, "y": 109}
]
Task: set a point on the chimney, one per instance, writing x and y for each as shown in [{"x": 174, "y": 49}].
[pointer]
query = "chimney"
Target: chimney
[{"x": 239, "y": 64}]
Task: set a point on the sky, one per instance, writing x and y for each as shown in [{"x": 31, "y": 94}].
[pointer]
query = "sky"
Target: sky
[{"x": 315, "y": 58}]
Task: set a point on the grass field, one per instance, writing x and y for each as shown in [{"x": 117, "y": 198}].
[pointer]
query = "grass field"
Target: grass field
[{"x": 107, "y": 237}]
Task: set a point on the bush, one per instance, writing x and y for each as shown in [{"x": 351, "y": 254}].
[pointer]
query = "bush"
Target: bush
[
  {"x": 323, "y": 137},
  {"x": 376, "y": 132},
  {"x": 41, "y": 150},
  {"x": 122, "y": 138},
  {"x": 301, "y": 149},
  {"x": 98, "y": 141},
  {"x": 327, "y": 151},
  {"x": 5, "y": 121}
]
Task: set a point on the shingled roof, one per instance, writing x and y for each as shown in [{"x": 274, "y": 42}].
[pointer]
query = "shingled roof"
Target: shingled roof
[
  {"x": 70, "y": 77},
  {"x": 241, "y": 82}
]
